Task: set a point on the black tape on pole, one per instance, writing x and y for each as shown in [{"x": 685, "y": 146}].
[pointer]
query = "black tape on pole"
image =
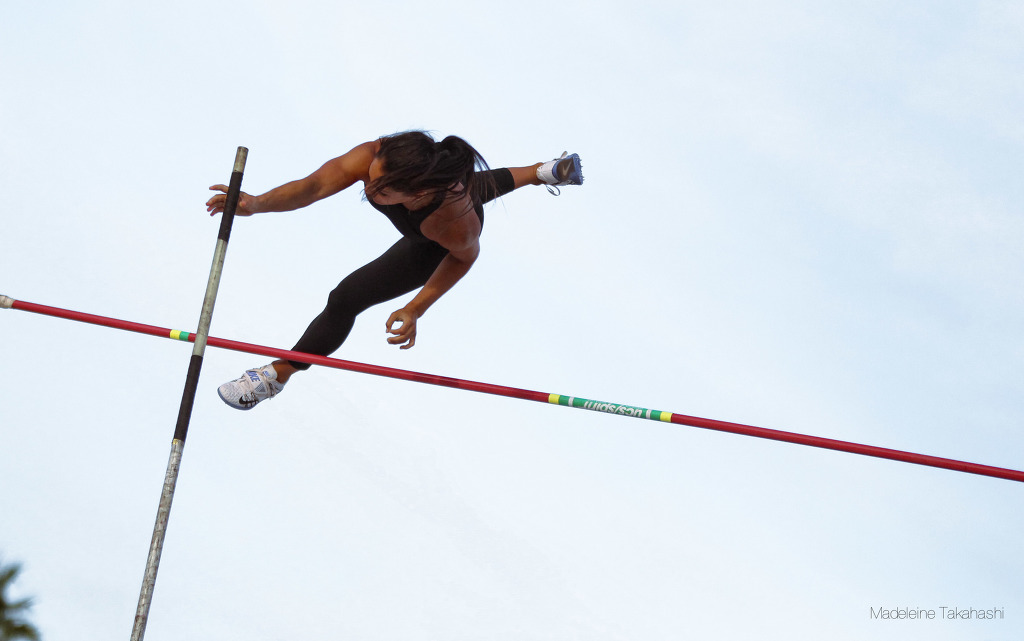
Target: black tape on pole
[
  {"x": 188, "y": 395},
  {"x": 234, "y": 192}
]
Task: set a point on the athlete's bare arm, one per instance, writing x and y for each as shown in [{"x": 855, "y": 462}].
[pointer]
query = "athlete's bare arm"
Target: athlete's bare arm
[
  {"x": 456, "y": 227},
  {"x": 334, "y": 176}
]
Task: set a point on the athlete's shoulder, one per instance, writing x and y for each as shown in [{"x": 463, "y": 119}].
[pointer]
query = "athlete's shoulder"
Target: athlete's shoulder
[
  {"x": 455, "y": 225},
  {"x": 358, "y": 158},
  {"x": 353, "y": 165}
]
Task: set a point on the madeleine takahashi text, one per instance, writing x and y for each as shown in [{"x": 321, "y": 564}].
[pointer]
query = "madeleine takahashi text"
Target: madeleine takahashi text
[{"x": 942, "y": 612}]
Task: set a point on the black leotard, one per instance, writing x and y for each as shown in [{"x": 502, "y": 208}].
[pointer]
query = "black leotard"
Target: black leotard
[{"x": 404, "y": 267}]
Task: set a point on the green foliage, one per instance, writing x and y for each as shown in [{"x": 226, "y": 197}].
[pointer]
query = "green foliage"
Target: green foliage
[{"x": 13, "y": 624}]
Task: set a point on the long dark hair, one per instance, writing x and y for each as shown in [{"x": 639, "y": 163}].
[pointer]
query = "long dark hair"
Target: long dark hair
[{"x": 413, "y": 162}]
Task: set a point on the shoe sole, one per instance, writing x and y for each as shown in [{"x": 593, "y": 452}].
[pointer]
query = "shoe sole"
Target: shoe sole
[
  {"x": 233, "y": 405},
  {"x": 573, "y": 176}
]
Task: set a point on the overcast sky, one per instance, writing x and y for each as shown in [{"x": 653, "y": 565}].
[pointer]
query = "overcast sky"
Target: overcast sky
[{"x": 802, "y": 216}]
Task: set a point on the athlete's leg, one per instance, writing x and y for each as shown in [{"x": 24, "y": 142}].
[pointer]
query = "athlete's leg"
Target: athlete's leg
[
  {"x": 523, "y": 176},
  {"x": 495, "y": 183},
  {"x": 560, "y": 171},
  {"x": 406, "y": 266}
]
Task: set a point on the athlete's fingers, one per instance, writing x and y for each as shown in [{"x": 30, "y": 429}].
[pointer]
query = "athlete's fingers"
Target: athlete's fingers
[
  {"x": 404, "y": 342},
  {"x": 216, "y": 202},
  {"x": 401, "y": 334},
  {"x": 402, "y": 323},
  {"x": 392, "y": 321}
]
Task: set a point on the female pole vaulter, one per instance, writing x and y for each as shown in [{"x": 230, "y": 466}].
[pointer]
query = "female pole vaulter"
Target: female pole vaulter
[{"x": 433, "y": 192}]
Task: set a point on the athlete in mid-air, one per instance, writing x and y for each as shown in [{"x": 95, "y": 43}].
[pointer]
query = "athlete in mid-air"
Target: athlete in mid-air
[{"x": 433, "y": 192}]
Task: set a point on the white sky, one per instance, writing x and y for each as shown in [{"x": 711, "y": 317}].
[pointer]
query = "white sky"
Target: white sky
[{"x": 796, "y": 216}]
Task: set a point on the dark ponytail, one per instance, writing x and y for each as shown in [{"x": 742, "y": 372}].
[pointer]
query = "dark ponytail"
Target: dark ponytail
[{"x": 414, "y": 162}]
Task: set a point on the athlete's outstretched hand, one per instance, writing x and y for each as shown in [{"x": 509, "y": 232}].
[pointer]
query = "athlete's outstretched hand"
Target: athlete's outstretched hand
[
  {"x": 246, "y": 203},
  {"x": 405, "y": 333}
]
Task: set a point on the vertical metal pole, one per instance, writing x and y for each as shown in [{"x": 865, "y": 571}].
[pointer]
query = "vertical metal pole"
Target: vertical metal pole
[{"x": 188, "y": 400}]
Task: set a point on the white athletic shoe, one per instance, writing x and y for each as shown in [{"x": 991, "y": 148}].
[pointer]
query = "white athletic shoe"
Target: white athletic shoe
[
  {"x": 564, "y": 170},
  {"x": 252, "y": 387}
]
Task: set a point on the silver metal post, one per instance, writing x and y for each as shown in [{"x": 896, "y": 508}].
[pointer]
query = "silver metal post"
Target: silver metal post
[{"x": 188, "y": 400}]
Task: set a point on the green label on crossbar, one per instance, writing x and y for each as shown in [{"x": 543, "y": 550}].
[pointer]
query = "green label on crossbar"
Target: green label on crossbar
[{"x": 610, "y": 408}]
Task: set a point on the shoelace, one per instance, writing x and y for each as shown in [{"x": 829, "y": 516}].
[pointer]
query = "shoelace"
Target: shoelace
[
  {"x": 272, "y": 386},
  {"x": 267, "y": 385},
  {"x": 248, "y": 401}
]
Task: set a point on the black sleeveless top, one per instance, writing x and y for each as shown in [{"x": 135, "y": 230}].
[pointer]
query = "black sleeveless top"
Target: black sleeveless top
[{"x": 408, "y": 222}]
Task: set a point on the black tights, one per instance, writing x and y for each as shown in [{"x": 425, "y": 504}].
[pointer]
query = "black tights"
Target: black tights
[{"x": 405, "y": 267}]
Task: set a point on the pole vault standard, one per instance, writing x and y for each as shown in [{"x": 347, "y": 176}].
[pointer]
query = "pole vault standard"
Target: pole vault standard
[
  {"x": 188, "y": 399},
  {"x": 512, "y": 392}
]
